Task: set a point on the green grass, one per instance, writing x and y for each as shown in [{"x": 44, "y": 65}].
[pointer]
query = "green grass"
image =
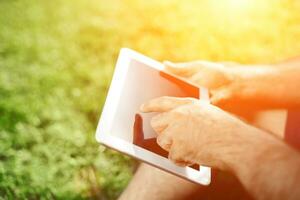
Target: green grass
[
  {"x": 53, "y": 81},
  {"x": 56, "y": 62}
]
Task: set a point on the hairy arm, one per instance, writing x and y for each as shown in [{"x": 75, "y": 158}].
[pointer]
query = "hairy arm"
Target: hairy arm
[
  {"x": 266, "y": 86},
  {"x": 269, "y": 86},
  {"x": 196, "y": 132},
  {"x": 268, "y": 168}
]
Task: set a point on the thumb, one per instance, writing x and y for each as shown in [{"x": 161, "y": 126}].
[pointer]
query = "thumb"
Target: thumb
[
  {"x": 181, "y": 69},
  {"x": 221, "y": 96}
]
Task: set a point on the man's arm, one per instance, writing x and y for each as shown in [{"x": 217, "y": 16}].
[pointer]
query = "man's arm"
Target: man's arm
[
  {"x": 196, "y": 132},
  {"x": 268, "y": 168},
  {"x": 271, "y": 87},
  {"x": 265, "y": 86}
]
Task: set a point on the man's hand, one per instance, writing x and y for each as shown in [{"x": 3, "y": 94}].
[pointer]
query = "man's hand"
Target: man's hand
[
  {"x": 229, "y": 83},
  {"x": 196, "y": 132}
]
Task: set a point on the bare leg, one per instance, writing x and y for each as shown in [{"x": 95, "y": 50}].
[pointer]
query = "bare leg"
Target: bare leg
[{"x": 152, "y": 183}]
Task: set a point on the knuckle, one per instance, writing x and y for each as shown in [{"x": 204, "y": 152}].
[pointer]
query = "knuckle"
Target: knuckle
[
  {"x": 153, "y": 121},
  {"x": 191, "y": 99},
  {"x": 183, "y": 111},
  {"x": 175, "y": 158},
  {"x": 165, "y": 99},
  {"x": 164, "y": 142},
  {"x": 179, "y": 112},
  {"x": 172, "y": 156}
]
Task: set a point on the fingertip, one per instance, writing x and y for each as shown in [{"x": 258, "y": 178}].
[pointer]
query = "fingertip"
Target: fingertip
[
  {"x": 216, "y": 98},
  {"x": 164, "y": 104},
  {"x": 168, "y": 63},
  {"x": 149, "y": 106},
  {"x": 180, "y": 69},
  {"x": 143, "y": 107},
  {"x": 219, "y": 98},
  {"x": 164, "y": 142},
  {"x": 171, "y": 67}
]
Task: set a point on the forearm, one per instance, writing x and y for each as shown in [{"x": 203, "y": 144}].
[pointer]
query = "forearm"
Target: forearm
[
  {"x": 274, "y": 87},
  {"x": 268, "y": 168},
  {"x": 292, "y": 61}
]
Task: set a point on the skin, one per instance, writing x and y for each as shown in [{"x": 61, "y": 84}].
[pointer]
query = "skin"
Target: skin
[
  {"x": 196, "y": 132},
  {"x": 241, "y": 149},
  {"x": 261, "y": 86}
]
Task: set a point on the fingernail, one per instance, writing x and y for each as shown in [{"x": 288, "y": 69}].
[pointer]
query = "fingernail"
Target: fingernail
[{"x": 142, "y": 108}]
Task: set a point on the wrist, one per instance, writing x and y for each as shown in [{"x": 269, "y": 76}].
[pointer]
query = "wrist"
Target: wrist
[
  {"x": 250, "y": 84},
  {"x": 256, "y": 149},
  {"x": 266, "y": 160}
]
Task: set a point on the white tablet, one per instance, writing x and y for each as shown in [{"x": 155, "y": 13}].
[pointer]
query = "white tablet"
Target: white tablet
[{"x": 124, "y": 128}]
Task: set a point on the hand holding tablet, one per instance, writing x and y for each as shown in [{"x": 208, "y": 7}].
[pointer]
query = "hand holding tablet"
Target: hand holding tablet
[{"x": 138, "y": 79}]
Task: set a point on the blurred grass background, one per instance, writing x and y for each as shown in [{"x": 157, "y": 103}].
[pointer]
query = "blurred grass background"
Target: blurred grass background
[{"x": 56, "y": 63}]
